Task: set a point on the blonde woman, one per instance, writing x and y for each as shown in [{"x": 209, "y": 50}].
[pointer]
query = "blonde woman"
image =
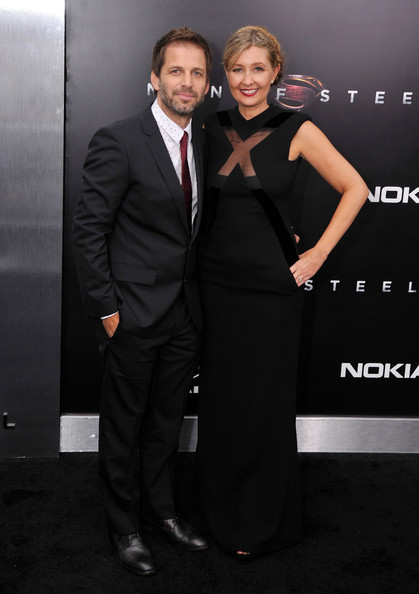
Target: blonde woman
[{"x": 251, "y": 284}]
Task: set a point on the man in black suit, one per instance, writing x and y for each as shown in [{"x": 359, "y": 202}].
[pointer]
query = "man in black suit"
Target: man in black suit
[{"x": 134, "y": 234}]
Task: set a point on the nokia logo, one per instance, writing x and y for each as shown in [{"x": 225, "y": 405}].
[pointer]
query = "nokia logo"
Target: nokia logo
[
  {"x": 379, "y": 370},
  {"x": 394, "y": 195}
]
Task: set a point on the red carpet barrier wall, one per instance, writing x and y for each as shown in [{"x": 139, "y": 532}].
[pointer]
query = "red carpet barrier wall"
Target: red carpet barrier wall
[{"x": 353, "y": 67}]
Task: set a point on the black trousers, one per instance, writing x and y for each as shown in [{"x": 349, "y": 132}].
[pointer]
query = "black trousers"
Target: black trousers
[{"x": 145, "y": 385}]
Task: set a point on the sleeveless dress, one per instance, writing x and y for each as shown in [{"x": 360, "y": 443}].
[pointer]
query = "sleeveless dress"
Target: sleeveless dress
[{"x": 247, "y": 451}]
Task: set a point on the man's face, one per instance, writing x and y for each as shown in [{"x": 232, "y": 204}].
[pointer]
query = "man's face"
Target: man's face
[{"x": 182, "y": 83}]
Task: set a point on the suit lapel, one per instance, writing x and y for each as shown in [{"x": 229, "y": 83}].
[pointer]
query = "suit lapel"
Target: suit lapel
[
  {"x": 197, "y": 149},
  {"x": 157, "y": 147}
]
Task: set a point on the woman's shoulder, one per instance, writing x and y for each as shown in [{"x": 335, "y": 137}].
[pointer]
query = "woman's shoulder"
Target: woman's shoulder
[{"x": 279, "y": 116}]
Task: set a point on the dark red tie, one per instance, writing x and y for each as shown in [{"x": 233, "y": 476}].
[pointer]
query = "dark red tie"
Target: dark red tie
[{"x": 186, "y": 178}]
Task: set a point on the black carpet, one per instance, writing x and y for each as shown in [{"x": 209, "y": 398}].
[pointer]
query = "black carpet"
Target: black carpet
[{"x": 361, "y": 523}]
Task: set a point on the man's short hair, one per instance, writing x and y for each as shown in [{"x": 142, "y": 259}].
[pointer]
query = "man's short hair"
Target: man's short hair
[{"x": 182, "y": 35}]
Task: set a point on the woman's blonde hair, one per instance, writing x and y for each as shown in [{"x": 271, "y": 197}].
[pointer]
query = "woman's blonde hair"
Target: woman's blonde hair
[{"x": 253, "y": 36}]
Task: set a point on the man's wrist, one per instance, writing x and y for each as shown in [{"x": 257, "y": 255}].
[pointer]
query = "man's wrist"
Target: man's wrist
[{"x": 109, "y": 316}]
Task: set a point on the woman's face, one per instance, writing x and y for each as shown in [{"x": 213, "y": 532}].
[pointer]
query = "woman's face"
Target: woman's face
[{"x": 250, "y": 79}]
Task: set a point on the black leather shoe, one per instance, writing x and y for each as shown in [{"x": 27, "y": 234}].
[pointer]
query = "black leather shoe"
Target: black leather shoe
[
  {"x": 180, "y": 534},
  {"x": 132, "y": 553}
]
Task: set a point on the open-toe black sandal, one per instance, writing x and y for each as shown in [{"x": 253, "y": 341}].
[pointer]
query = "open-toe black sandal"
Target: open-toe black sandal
[{"x": 242, "y": 557}]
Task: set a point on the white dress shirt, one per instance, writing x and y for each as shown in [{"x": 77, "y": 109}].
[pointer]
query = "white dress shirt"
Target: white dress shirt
[{"x": 172, "y": 135}]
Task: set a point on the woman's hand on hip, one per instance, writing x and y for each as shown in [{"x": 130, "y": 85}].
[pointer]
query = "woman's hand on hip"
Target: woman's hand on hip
[{"x": 308, "y": 264}]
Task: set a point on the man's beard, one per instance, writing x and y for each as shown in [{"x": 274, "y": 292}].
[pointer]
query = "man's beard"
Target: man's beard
[{"x": 178, "y": 107}]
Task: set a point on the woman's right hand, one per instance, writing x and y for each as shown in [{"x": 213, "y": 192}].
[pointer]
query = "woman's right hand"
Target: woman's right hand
[{"x": 308, "y": 264}]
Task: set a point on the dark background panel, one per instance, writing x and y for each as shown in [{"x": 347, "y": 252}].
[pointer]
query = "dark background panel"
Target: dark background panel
[{"x": 369, "y": 48}]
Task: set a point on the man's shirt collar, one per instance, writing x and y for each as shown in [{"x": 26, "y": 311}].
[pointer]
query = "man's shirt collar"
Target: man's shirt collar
[{"x": 169, "y": 126}]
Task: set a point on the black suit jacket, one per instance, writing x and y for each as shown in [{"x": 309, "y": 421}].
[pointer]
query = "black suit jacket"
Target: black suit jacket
[{"x": 133, "y": 250}]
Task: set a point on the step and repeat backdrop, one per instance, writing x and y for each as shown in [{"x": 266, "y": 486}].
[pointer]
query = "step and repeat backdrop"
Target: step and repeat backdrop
[{"x": 353, "y": 67}]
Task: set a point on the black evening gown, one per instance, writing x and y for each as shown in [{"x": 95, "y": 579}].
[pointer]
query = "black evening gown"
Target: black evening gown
[{"x": 247, "y": 451}]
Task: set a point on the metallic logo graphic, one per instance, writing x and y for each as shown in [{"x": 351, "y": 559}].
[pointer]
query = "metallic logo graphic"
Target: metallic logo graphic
[{"x": 300, "y": 91}]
